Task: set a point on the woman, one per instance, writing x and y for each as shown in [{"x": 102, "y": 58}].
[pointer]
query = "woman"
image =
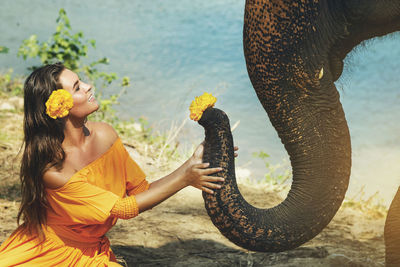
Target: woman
[{"x": 77, "y": 178}]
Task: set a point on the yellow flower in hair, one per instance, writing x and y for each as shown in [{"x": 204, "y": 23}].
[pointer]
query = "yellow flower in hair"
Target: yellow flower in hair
[
  {"x": 199, "y": 104},
  {"x": 59, "y": 104}
]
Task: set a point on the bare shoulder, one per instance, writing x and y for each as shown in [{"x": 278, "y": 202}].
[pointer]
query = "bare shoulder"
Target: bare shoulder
[
  {"x": 104, "y": 133},
  {"x": 54, "y": 179}
]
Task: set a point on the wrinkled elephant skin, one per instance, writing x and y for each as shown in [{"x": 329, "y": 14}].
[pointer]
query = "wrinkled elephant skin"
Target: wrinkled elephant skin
[{"x": 294, "y": 52}]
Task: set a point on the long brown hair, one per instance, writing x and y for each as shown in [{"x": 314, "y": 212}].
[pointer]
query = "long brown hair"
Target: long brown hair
[{"x": 43, "y": 137}]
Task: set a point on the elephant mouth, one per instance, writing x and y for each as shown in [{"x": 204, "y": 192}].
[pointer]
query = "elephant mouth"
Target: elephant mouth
[{"x": 336, "y": 66}]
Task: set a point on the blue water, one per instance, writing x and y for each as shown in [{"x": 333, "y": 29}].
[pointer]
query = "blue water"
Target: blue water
[{"x": 175, "y": 50}]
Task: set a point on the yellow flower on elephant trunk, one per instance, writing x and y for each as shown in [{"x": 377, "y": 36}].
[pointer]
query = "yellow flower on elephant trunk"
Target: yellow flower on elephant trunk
[
  {"x": 201, "y": 103},
  {"x": 59, "y": 104}
]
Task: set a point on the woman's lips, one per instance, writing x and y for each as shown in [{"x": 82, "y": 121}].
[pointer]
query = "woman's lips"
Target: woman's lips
[{"x": 91, "y": 98}]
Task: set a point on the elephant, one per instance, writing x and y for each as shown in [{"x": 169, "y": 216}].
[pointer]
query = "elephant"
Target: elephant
[{"x": 294, "y": 52}]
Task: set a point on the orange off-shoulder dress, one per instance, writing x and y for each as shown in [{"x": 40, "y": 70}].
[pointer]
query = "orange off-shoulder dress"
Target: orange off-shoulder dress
[{"x": 78, "y": 216}]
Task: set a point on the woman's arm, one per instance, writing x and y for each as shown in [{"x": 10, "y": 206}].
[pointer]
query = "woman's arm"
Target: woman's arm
[{"x": 193, "y": 172}]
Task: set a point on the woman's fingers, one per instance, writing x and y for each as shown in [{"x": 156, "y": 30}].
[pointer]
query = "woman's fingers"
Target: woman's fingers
[
  {"x": 211, "y": 185},
  {"x": 201, "y": 165},
  {"x": 212, "y": 179},
  {"x": 209, "y": 171},
  {"x": 207, "y": 190},
  {"x": 208, "y": 187},
  {"x": 208, "y": 183},
  {"x": 205, "y": 182}
]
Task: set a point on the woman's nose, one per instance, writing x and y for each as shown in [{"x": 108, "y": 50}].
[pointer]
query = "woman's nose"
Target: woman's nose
[{"x": 88, "y": 87}]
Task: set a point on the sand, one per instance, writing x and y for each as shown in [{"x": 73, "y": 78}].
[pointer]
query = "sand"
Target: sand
[{"x": 179, "y": 232}]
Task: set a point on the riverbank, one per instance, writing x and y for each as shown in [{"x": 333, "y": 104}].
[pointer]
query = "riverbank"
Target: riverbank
[{"x": 179, "y": 232}]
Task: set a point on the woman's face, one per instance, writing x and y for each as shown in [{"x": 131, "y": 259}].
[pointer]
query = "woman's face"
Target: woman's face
[{"x": 85, "y": 102}]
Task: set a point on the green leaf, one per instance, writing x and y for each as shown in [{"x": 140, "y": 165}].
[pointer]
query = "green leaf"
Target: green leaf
[
  {"x": 3, "y": 50},
  {"x": 93, "y": 43},
  {"x": 125, "y": 81},
  {"x": 261, "y": 155}
]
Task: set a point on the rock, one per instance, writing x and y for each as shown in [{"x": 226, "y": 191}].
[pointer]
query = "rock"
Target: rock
[
  {"x": 137, "y": 127},
  {"x": 242, "y": 174},
  {"x": 6, "y": 106},
  {"x": 17, "y": 101}
]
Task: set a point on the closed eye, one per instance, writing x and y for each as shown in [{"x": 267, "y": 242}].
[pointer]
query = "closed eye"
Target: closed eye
[{"x": 76, "y": 85}]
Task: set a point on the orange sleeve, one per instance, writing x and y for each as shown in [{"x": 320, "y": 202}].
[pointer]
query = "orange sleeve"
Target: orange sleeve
[
  {"x": 80, "y": 202},
  {"x": 135, "y": 178},
  {"x": 125, "y": 208}
]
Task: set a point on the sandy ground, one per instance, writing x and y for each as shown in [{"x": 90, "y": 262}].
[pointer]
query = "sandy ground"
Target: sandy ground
[{"x": 179, "y": 232}]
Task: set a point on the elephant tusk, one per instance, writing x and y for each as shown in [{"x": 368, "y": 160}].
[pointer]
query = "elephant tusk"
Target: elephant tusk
[
  {"x": 235, "y": 125},
  {"x": 321, "y": 73}
]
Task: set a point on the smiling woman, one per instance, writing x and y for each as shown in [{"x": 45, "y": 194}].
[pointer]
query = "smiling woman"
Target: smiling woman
[
  {"x": 78, "y": 179},
  {"x": 82, "y": 94}
]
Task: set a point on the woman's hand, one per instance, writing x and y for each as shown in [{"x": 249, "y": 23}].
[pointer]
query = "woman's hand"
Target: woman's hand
[
  {"x": 193, "y": 172},
  {"x": 198, "y": 175}
]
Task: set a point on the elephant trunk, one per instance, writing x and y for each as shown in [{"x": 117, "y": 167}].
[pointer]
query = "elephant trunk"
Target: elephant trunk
[
  {"x": 320, "y": 156},
  {"x": 304, "y": 107}
]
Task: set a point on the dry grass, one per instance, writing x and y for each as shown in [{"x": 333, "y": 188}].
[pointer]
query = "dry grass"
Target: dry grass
[{"x": 10, "y": 144}]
